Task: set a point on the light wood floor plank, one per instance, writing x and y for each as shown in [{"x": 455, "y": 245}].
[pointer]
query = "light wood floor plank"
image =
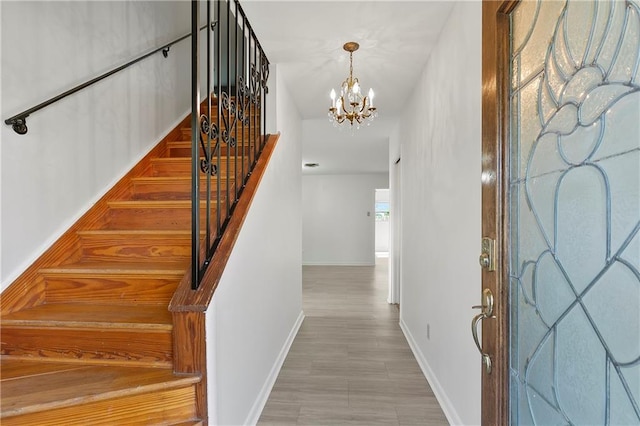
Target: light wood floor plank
[{"x": 350, "y": 364}]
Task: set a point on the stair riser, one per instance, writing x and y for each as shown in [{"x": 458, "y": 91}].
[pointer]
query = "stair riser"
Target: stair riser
[
  {"x": 214, "y": 110},
  {"x": 168, "y": 406},
  {"x": 90, "y": 345},
  {"x": 124, "y": 290},
  {"x": 241, "y": 135},
  {"x": 154, "y": 218},
  {"x": 182, "y": 150},
  {"x": 178, "y": 190},
  {"x": 134, "y": 249},
  {"x": 183, "y": 168}
]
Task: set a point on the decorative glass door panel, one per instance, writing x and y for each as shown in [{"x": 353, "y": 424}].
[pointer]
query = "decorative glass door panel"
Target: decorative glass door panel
[{"x": 574, "y": 219}]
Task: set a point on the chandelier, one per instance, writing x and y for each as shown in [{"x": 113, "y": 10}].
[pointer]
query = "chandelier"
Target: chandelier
[{"x": 351, "y": 105}]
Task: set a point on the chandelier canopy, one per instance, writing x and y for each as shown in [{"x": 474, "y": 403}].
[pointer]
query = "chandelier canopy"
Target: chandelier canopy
[{"x": 351, "y": 105}]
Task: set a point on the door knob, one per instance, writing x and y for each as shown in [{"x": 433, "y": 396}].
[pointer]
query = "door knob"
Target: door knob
[
  {"x": 487, "y": 312},
  {"x": 486, "y": 359}
]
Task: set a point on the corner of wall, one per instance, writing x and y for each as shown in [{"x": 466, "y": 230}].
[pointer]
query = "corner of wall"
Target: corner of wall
[
  {"x": 441, "y": 395},
  {"x": 263, "y": 395}
]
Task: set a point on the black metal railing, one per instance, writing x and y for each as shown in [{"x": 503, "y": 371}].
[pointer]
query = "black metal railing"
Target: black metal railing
[
  {"x": 225, "y": 145},
  {"x": 19, "y": 121}
]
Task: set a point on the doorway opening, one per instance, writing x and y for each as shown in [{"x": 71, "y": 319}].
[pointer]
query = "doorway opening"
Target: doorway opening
[{"x": 382, "y": 223}]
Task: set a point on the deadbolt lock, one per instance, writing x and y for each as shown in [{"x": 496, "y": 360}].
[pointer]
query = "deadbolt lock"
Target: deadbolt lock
[{"x": 488, "y": 254}]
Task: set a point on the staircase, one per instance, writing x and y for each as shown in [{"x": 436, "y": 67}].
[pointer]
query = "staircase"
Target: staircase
[{"x": 87, "y": 337}]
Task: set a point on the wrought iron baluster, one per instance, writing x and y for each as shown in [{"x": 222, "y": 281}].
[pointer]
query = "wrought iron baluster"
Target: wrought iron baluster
[
  {"x": 219, "y": 113},
  {"x": 243, "y": 97},
  {"x": 195, "y": 114},
  {"x": 228, "y": 107},
  {"x": 254, "y": 95},
  {"x": 237, "y": 103},
  {"x": 207, "y": 152}
]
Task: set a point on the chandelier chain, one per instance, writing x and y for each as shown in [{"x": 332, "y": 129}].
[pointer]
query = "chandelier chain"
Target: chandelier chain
[{"x": 351, "y": 66}]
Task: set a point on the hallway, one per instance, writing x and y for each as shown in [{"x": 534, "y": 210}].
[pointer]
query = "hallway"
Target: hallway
[{"x": 350, "y": 362}]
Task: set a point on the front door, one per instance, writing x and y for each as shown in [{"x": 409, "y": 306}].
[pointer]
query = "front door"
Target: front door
[{"x": 561, "y": 212}]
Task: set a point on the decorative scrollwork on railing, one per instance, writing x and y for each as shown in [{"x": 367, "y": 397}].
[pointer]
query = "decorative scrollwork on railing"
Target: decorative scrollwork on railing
[
  {"x": 254, "y": 85},
  {"x": 264, "y": 72},
  {"x": 241, "y": 99},
  {"x": 211, "y": 130},
  {"x": 229, "y": 119}
]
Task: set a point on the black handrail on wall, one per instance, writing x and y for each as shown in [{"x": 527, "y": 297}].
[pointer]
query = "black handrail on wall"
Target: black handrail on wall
[
  {"x": 237, "y": 133},
  {"x": 18, "y": 122}
]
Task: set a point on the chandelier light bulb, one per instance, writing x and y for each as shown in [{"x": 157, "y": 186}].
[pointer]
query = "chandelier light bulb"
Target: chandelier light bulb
[{"x": 351, "y": 105}]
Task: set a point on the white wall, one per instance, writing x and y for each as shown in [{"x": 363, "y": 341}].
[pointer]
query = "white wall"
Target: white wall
[
  {"x": 338, "y": 218},
  {"x": 440, "y": 141},
  {"x": 257, "y": 307},
  {"x": 77, "y": 149}
]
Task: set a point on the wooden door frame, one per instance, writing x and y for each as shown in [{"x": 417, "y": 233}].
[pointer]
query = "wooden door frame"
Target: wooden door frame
[{"x": 495, "y": 85}]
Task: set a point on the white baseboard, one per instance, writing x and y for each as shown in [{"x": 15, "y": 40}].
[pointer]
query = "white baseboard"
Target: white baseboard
[
  {"x": 441, "y": 396},
  {"x": 263, "y": 396}
]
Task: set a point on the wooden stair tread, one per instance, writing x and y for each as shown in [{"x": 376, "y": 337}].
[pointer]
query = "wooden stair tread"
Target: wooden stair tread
[
  {"x": 91, "y": 315},
  {"x": 187, "y": 160},
  {"x": 142, "y": 268},
  {"x": 51, "y": 385},
  {"x": 187, "y": 143},
  {"x": 152, "y": 204},
  {"x": 18, "y": 368},
  {"x": 172, "y": 179},
  {"x": 102, "y": 272},
  {"x": 133, "y": 233}
]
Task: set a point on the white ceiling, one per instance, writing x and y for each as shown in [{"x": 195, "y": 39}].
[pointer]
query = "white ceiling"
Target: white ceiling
[
  {"x": 305, "y": 38},
  {"x": 345, "y": 150}
]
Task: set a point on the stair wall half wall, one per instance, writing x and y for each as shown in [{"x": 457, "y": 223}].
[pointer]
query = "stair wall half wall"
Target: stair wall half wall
[{"x": 257, "y": 306}]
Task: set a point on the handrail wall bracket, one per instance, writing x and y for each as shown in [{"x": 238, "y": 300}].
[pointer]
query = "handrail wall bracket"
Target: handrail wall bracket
[{"x": 18, "y": 124}]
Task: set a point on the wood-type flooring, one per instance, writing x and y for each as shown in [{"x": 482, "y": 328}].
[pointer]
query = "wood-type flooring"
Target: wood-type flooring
[{"x": 350, "y": 363}]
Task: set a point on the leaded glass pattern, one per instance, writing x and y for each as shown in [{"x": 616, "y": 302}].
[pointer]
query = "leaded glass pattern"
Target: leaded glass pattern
[{"x": 574, "y": 217}]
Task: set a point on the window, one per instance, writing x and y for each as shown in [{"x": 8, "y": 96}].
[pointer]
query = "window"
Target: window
[{"x": 382, "y": 211}]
